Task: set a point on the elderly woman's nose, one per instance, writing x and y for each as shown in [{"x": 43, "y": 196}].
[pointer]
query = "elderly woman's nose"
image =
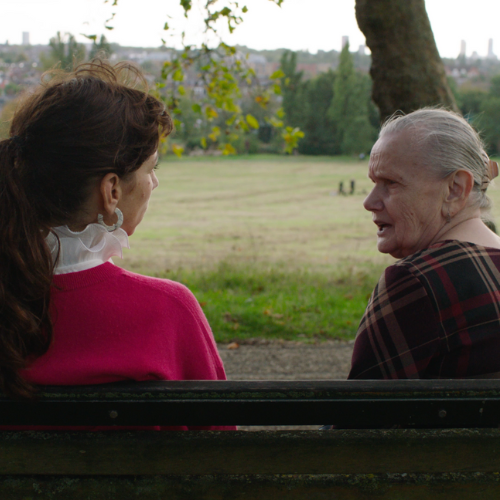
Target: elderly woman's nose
[{"x": 372, "y": 202}]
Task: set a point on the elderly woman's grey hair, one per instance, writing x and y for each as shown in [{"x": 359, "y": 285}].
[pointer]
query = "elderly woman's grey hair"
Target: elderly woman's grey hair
[{"x": 445, "y": 142}]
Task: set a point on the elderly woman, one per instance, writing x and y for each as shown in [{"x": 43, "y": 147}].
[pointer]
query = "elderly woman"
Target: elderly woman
[{"x": 435, "y": 313}]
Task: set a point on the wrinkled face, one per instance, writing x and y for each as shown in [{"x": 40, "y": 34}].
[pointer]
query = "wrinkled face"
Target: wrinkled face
[
  {"x": 136, "y": 194},
  {"x": 407, "y": 198}
]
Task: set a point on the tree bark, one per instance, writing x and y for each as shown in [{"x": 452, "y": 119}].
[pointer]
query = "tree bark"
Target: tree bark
[{"x": 406, "y": 70}]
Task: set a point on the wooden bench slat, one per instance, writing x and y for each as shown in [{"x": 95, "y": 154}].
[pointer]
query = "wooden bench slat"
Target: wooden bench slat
[
  {"x": 430, "y": 403},
  {"x": 440, "y": 412},
  {"x": 282, "y": 452}
]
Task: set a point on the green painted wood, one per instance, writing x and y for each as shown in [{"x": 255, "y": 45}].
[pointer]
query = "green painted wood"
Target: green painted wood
[
  {"x": 360, "y": 403},
  {"x": 465, "y": 486},
  {"x": 281, "y": 452}
]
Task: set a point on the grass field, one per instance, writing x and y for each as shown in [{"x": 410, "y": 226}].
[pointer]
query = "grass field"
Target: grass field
[
  {"x": 265, "y": 243},
  {"x": 258, "y": 210}
]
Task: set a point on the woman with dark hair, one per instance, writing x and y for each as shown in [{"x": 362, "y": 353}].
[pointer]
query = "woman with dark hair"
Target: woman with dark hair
[{"x": 76, "y": 176}]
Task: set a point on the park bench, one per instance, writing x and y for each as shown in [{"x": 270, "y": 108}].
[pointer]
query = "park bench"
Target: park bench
[{"x": 446, "y": 444}]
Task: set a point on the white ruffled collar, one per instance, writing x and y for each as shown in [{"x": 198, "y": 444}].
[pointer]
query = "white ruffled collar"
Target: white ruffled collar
[{"x": 86, "y": 249}]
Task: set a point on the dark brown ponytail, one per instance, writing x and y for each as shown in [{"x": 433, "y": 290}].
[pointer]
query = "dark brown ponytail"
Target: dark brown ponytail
[
  {"x": 25, "y": 277},
  {"x": 65, "y": 135}
]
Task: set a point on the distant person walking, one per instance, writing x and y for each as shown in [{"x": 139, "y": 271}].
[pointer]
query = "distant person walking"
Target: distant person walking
[{"x": 76, "y": 175}]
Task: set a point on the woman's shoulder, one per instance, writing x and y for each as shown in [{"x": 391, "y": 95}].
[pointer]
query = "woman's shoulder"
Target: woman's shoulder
[
  {"x": 160, "y": 286},
  {"x": 449, "y": 253},
  {"x": 109, "y": 278},
  {"x": 452, "y": 268}
]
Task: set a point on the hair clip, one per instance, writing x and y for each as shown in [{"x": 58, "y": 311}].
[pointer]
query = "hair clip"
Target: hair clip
[{"x": 492, "y": 169}]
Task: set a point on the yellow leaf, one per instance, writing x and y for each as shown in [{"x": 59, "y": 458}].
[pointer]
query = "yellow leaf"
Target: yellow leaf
[
  {"x": 277, "y": 74},
  {"x": 252, "y": 121},
  {"x": 211, "y": 113},
  {"x": 228, "y": 150},
  {"x": 177, "y": 150},
  {"x": 203, "y": 142}
]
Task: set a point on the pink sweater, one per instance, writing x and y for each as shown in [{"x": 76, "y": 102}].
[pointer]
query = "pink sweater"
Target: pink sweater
[{"x": 111, "y": 325}]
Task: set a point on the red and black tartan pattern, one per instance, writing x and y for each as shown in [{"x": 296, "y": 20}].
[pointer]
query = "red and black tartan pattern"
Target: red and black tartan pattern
[{"x": 435, "y": 314}]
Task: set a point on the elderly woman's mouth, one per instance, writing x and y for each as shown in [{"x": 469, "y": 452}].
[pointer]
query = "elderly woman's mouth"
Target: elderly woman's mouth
[{"x": 382, "y": 226}]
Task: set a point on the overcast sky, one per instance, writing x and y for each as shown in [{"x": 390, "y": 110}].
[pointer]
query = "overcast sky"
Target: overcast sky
[{"x": 298, "y": 24}]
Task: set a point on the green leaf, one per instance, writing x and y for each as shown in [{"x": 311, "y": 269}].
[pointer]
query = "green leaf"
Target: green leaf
[
  {"x": 181, "y": 90},
  {"x": 178, "y": 75},
  {"x": 252, "y": 121},
  {"x": 165, "y": 26},
  {"x": 196, "y": 108},
  {"x": 244, "y": 9},
  {"x": 277, "y": 74}
]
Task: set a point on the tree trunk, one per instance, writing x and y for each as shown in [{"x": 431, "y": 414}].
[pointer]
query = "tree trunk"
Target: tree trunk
[{"x": 406, "y": 70}]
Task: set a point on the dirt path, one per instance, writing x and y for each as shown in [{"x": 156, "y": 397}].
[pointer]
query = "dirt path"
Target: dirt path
[{"x": 287, "y": 361}]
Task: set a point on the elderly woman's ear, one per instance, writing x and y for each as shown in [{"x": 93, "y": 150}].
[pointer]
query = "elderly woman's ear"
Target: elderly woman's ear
[{"x": 458, "y": 188}]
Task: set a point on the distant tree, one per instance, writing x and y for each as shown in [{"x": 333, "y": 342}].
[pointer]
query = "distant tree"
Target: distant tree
[
  {"x": 488, "y": 118},
  {"x": 320, "y": 131},
  {"x": 6, "y": 114},
  {"x": 11, "y": 89},
  {"x": 349, "y": 107},
  {"x": 489, "y": 123},
  {"x": 406, "y": 69},
  {"x": 13, "y": 57},
  {"x": 495, "y": 86},
  {"x": 292, "y": 88},
  {"x": 101, "y": 48},
  {"x": 471, "y": 101},
  {"x": 65, "y": 51}
]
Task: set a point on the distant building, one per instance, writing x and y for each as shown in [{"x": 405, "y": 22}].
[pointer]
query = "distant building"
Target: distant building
[
  {"x": 26, "y": 38},
  {"x": 345, "y": 40},
  {"x": 490, "y": 55},
  {"x": 361, "y": 50},
  {"x": 462, "y": 48}
]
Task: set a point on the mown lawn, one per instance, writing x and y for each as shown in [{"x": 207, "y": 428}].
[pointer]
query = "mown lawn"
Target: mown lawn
[
  {"x": 243, "y": 302},
  {"x": 266, "y": 243}
]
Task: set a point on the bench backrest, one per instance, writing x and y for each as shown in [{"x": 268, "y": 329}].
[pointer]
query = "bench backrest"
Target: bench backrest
[{"x": 357, "y": 403}]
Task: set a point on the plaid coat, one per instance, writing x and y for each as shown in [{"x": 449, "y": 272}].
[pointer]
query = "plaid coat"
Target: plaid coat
[{"x": 434, "y": 314}]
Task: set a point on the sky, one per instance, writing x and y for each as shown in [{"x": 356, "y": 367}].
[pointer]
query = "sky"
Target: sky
[{"x": 297, "y": 25}]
